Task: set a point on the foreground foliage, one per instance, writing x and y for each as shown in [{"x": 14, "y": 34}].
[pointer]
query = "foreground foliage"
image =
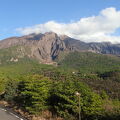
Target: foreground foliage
[
  {"x": 33, "y": 92},
  {"x": 37, "y": 93}
]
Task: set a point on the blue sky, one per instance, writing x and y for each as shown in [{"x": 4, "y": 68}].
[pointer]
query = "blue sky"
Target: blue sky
[{"x": 23, "y": 13}]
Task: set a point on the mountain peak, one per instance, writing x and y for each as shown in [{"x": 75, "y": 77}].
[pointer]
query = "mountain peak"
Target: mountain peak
[{"x": 50, "y": 35}]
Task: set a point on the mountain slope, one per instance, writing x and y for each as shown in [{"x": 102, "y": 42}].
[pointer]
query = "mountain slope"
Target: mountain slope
[
  {"x": 47, "y": 47},
  {"x": 43, "y": 47},
  {"x": 89, "y": 62}
]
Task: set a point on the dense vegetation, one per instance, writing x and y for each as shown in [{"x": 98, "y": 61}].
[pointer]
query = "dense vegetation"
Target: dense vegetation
[
  {"x": 89, "y": 62},
  {"x": 36, "y": 88},
  {"x": 37, "y": 93}
]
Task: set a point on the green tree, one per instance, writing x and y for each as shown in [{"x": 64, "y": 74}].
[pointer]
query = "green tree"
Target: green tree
[
  {"x": 65, "y": 102},
  {"x": 11, "y": 89},
  {"x": 34, "y": 93}
]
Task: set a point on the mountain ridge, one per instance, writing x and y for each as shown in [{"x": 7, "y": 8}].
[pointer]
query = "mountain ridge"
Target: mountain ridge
[{"x": 46, "y": 47}]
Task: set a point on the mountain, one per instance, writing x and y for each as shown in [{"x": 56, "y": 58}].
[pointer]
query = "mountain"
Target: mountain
[
  {"x": 103, "y": 47},
  {"x": 43, "y": 47},
  {"x": 47, "y": 47}
]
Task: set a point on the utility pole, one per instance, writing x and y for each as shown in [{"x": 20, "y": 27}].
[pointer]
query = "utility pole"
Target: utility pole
[{"x": 78, "y": 94}]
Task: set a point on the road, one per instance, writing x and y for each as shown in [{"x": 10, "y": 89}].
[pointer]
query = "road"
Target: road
[{"x": 7, "y": 115}]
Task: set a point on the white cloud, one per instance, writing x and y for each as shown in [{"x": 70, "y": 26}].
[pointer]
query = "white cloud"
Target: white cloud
[{"x": 91, "y": 29}]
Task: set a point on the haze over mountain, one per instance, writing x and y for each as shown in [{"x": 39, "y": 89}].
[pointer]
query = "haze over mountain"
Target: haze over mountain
[{"x": 47, "y": 47}]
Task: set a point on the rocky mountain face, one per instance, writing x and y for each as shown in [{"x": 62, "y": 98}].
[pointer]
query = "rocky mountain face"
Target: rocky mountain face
[
  {"x": 46, "y": 47},
  {"x": 105, "y": 48},
  {"x": 43, "y": 47}
]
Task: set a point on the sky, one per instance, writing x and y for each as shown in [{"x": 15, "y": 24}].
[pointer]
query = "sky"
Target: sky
[{"x": 86, "y": 20}]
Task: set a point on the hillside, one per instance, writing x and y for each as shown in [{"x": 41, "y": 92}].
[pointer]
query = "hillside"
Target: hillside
[{"x": 89, "y": 62}]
